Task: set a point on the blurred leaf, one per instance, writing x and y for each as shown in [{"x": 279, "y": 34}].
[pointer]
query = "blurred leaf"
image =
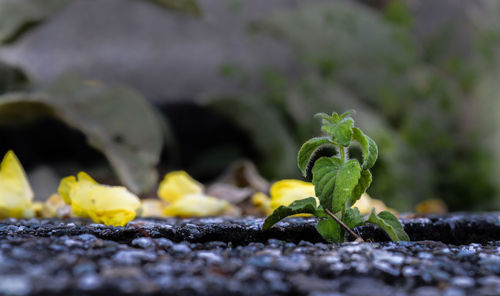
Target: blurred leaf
[
  {"x": 188, "y": 6},
  {"x": 11, "y": 78},
  {"x": 17, "y": 16},
  {"x": 117, "y": 121},
  {"x": 268, "y": 133}
]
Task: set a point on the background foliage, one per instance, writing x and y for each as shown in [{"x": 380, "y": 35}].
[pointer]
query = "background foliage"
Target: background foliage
[{"x": 429, "y": 103}]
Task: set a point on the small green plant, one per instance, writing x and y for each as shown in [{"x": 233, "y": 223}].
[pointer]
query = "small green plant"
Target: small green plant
[{"x": 338, "y": 182}]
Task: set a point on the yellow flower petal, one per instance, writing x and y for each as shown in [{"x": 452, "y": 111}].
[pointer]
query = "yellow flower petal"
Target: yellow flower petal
[
  {"x": 432, "y": 206},
  {"x": 111, "y": 205},
  {"x": 15, "y": 191},
  {"x": 262, "y": 202},
  {"x": 284, "y": 192},
  {"x": 177, "y": 184},
  {"x": 365, "y": 205},
  {"x": 65, "y": 187},
  {"x": 196, "y": 205},
  {"x": 153, "y": 208},
  {"x": 55, "y": 206}
]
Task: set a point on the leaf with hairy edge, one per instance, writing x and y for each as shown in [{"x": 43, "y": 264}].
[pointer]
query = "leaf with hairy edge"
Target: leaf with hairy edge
[
  {"x": 390, "y": 224},
  {"x": 303, "y": 206},
  {"x": 347, "y": 179},
  {"x": 370, "y": 149},
  {"x": 334, "y": 119},
  {"x": 348, "y": 113},
  {"x": 364, "y": 182},
  {"x": 307, "y": 150},
  {"x": 352, "y": 217},
  {"x": 324, "y": 172},
  {"x": 340, "y": 132},
  {"x": 329, "y": 229}
]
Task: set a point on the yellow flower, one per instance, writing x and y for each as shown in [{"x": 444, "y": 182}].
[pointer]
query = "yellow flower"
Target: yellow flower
[
  {"x": 152, "y": 207},
  {"x": 185, "y": 198},
  {"x": 15, "y": 191},
  {"x": 111, "y": 205},
  {"x": 365, "y": 205},
  {"x": 197, "y": 205},
  {"x": 284, "y": 192},
  {"x": 262, "y": 202},
  {"x": 177, "y": 184}
]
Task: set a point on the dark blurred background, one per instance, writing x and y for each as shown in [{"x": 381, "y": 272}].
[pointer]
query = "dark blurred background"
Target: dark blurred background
[{"x": 129, "y": 89}]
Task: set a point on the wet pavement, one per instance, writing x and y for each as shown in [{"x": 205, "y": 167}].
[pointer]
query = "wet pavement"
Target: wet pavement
[{"x": 454, "y": 255}]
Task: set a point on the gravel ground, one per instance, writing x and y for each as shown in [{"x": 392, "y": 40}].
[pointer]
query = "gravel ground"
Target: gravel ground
[{"x": 234, "y": 257}]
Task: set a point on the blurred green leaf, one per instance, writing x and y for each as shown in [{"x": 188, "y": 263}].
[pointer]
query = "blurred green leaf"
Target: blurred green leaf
[
  {"x": 116, "y": 120},
  {"x": 268, "y": 133},
  {"x": 17, "y": 16},
  {"x": 188, "y": 6}
]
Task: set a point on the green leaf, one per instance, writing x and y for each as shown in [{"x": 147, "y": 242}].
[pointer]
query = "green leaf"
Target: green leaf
[
  {"x": 117, "y": 121},
  {"x": 334, "y": 119},
  {"x": 364, "y": 182},
  {"x": 390, "y": 224},
  {"x": 348, "y": 113},
  {"x": 303, "y": 206},
  {"x": 352, "y": 217},
  {"x": 334, "y": 181},
  {"x": 307, "y": 150},
  {"x": 347, "y": 179},
  {"x": 368, "y": 146},
  {"x": 324, "y": 172},
  {"x": 341, "y": 132},
  {"x": 17, "y": 16},
  {"x": 329, "y": 230}
]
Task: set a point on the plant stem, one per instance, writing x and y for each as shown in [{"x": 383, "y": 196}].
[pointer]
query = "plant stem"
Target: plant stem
[
  {"x": 358, "y": 238},
  {"x": 342, "y": 153}
]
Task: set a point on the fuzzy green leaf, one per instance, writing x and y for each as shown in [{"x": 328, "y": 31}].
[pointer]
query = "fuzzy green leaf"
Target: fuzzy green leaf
[
  {"x": 334, "y": 181},
  {"x": 368, "y": 146},
  {"x": 329, "y": 229},
  {"x": 303, "y": 206},
  {"x": 347, "y": 113},
  {"x": 390, "y": 224},
  {"x": 364, "y": 182},
  {"x": 334, "y": 119},
  {"x": 307, "y": 150},
  {"x": 324, "y": 172},
  {"x": 347, "y": 179},
  {"x": 352, "y": 217},
  {"x": 341, "y": 132}
]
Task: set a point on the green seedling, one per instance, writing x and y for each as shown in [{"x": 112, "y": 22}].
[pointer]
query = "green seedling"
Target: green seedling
[{"x": 338, "y": 182}]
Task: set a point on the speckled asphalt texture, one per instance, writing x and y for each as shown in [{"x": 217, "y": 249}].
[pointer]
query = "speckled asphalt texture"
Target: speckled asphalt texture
[{"x": 454, "y": 255}]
